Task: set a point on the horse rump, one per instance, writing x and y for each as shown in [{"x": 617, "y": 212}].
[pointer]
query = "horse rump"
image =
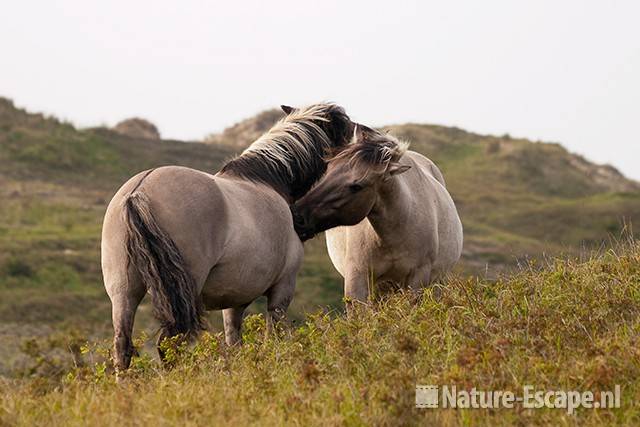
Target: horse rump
[{"x": 150, "y": 251}]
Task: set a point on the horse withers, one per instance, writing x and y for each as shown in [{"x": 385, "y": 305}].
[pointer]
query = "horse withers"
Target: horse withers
[
  {"x": 197, "y": 241},
  {"x": 395, "y": 220}
]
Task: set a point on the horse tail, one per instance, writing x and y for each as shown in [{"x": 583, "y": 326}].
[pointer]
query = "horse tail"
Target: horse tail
[{"x": 151, "y": 251}]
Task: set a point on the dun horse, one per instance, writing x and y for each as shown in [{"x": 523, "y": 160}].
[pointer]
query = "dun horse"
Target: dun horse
[
  {"x": 405, "y": 227},
  {"x": 196, "y": 241}
]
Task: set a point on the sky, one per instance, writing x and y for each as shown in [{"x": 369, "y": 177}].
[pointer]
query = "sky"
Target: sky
[{"x": 559, "y": 71}]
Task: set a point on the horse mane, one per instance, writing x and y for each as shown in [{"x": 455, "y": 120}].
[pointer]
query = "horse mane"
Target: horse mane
[
  {"x": 290, "y": 156},
  {"x": 371, "y": 150}
]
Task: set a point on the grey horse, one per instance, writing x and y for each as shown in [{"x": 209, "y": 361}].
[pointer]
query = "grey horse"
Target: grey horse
[
  {"x": 404, "y": 224},
  {"x": 197, "y": 241}
]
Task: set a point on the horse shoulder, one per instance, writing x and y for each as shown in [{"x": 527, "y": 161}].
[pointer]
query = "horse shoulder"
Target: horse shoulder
[
  {"x": 255, "y": 205},
  {"x": 260, "y": 220}
]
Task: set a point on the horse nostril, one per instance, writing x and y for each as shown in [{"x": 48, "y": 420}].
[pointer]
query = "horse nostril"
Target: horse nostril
[
  {"x": 302, "y": 222},
  {"x": 298, "y": 217}
]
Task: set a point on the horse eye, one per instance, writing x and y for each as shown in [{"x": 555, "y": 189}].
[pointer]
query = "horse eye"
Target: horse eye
[{"x": 354, "y": 188}]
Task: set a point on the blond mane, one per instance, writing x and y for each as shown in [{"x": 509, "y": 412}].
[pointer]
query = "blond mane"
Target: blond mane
[
  {"x": 371, "y": 151},
  {"x": 290, "y": 156}
]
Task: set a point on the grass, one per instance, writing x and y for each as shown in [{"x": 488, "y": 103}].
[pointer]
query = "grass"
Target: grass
[
  {"x": 518, "y": 200},
  {"x": 569, "y": 325}
]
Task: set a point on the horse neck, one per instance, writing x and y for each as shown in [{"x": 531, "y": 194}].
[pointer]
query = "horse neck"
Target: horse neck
[
  {"x": 282, "y": 184},
  {"x": 390, "y": 213}
]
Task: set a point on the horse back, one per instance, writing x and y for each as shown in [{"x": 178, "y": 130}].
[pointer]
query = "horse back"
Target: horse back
[{"x": 425, "y": 166}]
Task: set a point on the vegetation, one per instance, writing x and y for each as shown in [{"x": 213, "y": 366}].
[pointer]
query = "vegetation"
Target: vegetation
[
  {"x": 518, "y": 200},
  {"x": 137, "y": 128},
  {"x": 242, "y": 134},
  {"x": 567, "y": 325}
]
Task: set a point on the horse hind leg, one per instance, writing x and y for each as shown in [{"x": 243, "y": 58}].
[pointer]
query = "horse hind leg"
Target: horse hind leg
[{"x": 125, "y": 297}]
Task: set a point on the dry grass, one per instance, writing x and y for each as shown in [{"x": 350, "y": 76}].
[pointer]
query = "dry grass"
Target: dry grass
[{"x": 566, "y": 325}]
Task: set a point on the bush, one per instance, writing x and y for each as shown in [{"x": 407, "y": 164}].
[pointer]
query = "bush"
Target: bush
[{"x": 17, "y": 267}]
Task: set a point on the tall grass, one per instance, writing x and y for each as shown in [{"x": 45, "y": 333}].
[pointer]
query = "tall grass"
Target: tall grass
[{"x": 569, "y": 325}]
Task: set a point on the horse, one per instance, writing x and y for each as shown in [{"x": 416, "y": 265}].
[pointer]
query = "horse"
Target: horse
[
  {"x": 196, "y": 241},
  {"x": 395, "y": 222}
]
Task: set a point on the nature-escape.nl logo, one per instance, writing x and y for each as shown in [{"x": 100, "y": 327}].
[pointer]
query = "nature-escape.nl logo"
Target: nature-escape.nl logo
[{"x": 449, "y": 396}]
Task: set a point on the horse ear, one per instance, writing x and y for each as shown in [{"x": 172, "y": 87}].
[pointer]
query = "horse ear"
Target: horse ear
[
  {"x": 366, "y": 129},
  {"x": 397, "y": 169},
  {"x": 362, "y": 132},
  {"x": 287, "y": 110}
]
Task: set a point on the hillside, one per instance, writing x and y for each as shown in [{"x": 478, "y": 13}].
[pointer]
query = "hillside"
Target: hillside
[
  {"x": 243, "y": 133},
  {"x": 566, "y": 326},
  {"x": 517, "y": 199}
]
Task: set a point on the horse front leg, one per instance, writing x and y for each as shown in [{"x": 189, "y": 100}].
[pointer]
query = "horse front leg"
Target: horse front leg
[
  {"x": 356, "y": 289},
  {"x": 232, "y": 318},
  {"x": 278, "y": 299},
  {"x": 419, "y": 280}
]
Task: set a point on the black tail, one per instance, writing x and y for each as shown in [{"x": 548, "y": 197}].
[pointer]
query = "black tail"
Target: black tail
[{"x": 156, "y": 257}]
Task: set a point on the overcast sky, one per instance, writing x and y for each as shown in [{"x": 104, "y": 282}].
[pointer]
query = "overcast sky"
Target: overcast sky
[{"x": 562, "y": 71}]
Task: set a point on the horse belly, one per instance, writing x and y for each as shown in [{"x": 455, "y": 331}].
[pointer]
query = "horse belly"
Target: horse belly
[
  {"x": 248, "y": 272},
  {"x": 233, "y": 286}
]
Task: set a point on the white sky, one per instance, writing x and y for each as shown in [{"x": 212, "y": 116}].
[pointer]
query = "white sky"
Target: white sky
[{"x": 565, "y": 71}]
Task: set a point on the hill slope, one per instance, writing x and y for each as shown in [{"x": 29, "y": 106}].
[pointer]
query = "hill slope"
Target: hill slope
[
  {"x": 517, "y": 199},
  {"x": 243, "y": 133}
]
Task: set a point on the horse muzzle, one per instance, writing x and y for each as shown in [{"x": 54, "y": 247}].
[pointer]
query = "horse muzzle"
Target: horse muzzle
[{"x": 302, "y": 227}]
